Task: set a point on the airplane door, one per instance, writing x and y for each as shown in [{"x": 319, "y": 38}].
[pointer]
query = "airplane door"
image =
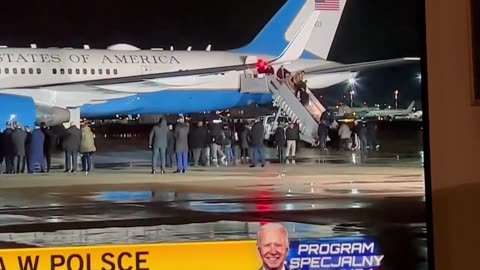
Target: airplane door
[{"x": 146, "y": 69}]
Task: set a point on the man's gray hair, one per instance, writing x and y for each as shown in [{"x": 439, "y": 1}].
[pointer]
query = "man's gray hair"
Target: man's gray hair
[{"x": 272, "y": 226}]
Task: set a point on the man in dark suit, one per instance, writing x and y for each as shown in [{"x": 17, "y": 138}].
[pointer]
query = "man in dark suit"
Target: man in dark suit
[
  {"x": 71, "y": 141},
  {"x": 273, "y": 246},
  {"x": 19, "y": 139},
  {"x": 181, "y": 145},
  {"x": 50, "y": 144},
  {"x": 256, "y": 143},
  {"x": 7, "y": 145},
  {"x": 35, "y": 153}
]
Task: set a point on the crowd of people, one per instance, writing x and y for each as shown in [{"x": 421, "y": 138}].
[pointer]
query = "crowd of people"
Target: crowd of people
[
  {"x": 198, "y": 143},
  {"x": 361, "y": 136},
  {"x": 21, "y": 148},
  {"x": 206, "y": 143}
]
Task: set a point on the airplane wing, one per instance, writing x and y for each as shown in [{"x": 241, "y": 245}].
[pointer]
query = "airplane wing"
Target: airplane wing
[{"x": 337, "y": 67}]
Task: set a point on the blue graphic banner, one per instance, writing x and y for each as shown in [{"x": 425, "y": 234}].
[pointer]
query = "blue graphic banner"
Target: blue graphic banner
[{"x": 334, "y": 254}]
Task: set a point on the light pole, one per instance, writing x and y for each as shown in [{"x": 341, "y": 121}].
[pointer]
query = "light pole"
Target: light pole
[
  {"x": 396, "y": 99},
  {"x": 352, "y": 92},
  {"x": 352, "y": 81}
]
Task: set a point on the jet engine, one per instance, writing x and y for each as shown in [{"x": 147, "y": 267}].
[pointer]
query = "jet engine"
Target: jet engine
[
  {"x": 52, "y": 116},
  {"x": 24, "y": 110}
]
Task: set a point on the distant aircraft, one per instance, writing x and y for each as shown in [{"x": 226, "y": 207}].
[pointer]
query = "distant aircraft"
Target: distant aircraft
[
  {"x": 390, "y": 114},
  {"x": 60, "y": 85},
  {"x": 353, "y": 111},
  {"x": 418, "y": 116}
]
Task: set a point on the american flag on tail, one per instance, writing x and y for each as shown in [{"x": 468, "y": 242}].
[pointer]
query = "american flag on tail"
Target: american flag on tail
[{"x": 330, "y": 5}]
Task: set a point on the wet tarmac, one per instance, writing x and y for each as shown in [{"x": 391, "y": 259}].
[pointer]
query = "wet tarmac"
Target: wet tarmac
[
  {"x": 141, "y": 158},
  {"x": 335, "y": 194}
]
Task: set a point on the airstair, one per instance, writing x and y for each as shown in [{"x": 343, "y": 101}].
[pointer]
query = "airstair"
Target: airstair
[{"x": 307, "y": 116}]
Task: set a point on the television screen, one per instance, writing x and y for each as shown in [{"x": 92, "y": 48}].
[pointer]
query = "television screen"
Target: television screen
[{"x": 159, "y": 135}]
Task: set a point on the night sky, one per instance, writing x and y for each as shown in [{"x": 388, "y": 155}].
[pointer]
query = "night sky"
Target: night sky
[{"x": 369, "y": 30}]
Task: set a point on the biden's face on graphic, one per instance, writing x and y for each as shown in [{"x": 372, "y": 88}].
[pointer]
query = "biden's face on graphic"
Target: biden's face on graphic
[{"x": 273, "y": 246}]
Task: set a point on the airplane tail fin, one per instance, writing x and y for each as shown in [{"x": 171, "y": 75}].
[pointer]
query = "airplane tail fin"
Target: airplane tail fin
[
  {"x": 411, "y": 106},
  {"x": 283, "y": 28},
  {"x": 295, "y": 47}
]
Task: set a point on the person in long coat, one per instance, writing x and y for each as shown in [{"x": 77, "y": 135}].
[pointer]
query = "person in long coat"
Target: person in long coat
[
  {"x": 35, "y": 151},
  {"x": 158, "y": 142},
  {"x": 50, "y": 144},
  {"x": 19, "y": 139},
  {"x": 181, "y": 145},
  {"x": 71, "y": 140},
  {"x": 87, "y": 148},
  {"x": 170, "y": 147},
  {"x": 7, "y": 145},
  {"x": 244, "y": 143}
]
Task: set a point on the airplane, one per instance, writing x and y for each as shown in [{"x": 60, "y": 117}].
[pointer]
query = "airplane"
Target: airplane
[
  {"x": 56, "y": 85},
  {"x": 391, "y": 114},
  {"x": 355, "y": 111},
  {"x": 416, "y": 116}
]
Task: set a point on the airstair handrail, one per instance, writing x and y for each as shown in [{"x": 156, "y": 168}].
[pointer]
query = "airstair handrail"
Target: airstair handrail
[
  {"x": 284, "y": 93},
  {"x": 315, "y": 101}
]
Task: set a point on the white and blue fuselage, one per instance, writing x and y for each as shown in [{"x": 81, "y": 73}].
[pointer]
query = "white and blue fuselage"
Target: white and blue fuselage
[{"x": 126, "y": 80}]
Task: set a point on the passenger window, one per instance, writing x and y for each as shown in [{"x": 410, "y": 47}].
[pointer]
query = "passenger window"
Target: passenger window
[
  {"x": 7, "y": 71},
  {"x": 70, "y": 71},
  {"x": 92, "y": 71},
  {"x": 62, "y": 71},
  {"x": 54, "y": 71},
  {"x": 77, "y": 71},
  {"x": 30, "y": 70},
  {"x": 14, "y": 70},
  {"x": 100, "y": 71},
  {"x": 39, "y": 71},
  {"x": 22, "y": 71},
  {"x": 85, "y": 71},
  {"x": 108, "y": 71},
  {"x": 115, "y": 71}
]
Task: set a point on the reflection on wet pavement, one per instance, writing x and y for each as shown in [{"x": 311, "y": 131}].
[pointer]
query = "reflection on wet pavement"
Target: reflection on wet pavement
[
  {"x": 141, "y": 159},
  {"x": 218, "y": 231},
  {"x": 333, "y": 195},
  {"x": 161, "y": 215}
]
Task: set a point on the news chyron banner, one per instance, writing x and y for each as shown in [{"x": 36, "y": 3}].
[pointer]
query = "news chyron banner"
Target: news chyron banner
[
  {"x": 347, "y": 254},
  {"x": 335, "y": 253},
  {"x": 211, "y": 255}
]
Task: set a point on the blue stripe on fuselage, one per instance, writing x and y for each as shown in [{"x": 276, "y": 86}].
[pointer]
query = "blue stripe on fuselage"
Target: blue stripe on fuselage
[{"x": 174, "y": 102}]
